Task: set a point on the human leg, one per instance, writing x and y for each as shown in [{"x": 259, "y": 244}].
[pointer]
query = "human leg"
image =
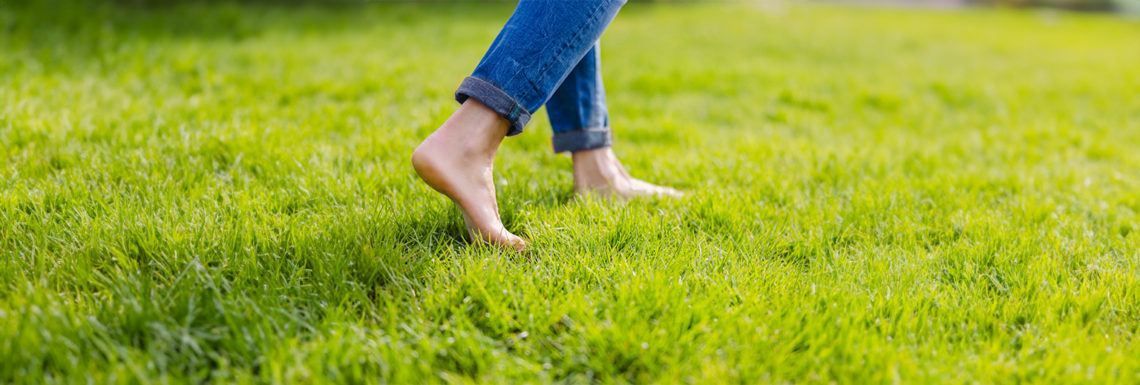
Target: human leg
[
  {"x": 529, "y": 58},
  {"x": 580, "y": 120}
]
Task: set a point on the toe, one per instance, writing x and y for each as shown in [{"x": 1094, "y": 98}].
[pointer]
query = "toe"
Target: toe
[
  {"x": 669, "y": 192},
  {"x": 516, "y": 243},
  {"x": 646, "y": 188},
  {"x": 508, "y": 241}
]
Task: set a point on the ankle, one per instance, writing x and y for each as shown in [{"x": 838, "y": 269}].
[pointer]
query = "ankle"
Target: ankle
[
  {"x": 595, "y": 168},
  {"x": 591, "y": 156},
  {"x": 473, "y": 131},
  {"x": 599, "y": 159}
]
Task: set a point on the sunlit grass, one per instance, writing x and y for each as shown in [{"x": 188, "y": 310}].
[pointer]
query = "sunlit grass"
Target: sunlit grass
[{"x": 223, "y": 193}]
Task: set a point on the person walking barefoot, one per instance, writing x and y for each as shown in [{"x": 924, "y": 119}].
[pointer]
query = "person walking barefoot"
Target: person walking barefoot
[{"x": 547, "y": 53}]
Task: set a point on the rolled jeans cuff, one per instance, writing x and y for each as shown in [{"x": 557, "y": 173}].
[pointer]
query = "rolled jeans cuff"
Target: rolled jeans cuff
[
  {"x": 495, "y": 99},
  {"x": 580, "y": 140}
]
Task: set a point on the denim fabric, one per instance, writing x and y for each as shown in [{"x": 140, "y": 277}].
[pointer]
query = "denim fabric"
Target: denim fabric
[
  {"x": 577, "y": 109},
  {"x": 542, "y": 44}
]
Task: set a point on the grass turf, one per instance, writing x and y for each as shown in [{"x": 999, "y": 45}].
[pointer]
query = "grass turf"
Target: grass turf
[{"x": 222, "y": 193}]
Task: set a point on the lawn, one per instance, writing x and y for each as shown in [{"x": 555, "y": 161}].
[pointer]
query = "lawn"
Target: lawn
[{"x": 223, "y": 193}]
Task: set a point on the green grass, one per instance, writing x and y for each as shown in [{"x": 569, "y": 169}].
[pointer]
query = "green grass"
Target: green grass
[{"x": 223, "y": 194}]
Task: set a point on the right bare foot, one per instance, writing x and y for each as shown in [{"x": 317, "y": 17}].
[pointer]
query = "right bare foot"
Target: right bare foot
[
  {"x": 598, "y": 172},
  {"x": 457, "y": 161}
]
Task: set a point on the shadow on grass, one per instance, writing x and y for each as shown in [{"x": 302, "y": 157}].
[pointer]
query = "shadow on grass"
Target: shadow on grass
[{"x": 433, "y": 230}]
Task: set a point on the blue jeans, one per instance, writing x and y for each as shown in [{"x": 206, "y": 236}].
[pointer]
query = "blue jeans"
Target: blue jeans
[{"x": 547, "y": 53}]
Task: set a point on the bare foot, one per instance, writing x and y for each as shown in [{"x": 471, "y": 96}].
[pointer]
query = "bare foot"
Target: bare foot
[
  {"x": 457, "y": 161},
  {"x": 599, "y": 172}
]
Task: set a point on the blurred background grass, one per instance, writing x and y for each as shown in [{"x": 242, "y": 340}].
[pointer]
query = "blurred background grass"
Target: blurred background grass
[{"x": 1087, "y": 5}]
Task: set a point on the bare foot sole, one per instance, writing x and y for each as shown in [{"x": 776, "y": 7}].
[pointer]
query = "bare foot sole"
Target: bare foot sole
[{"x": 468, "y": 183}]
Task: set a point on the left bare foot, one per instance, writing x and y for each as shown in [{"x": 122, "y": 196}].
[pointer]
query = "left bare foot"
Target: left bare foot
[{"x": 599, "y": 172}]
